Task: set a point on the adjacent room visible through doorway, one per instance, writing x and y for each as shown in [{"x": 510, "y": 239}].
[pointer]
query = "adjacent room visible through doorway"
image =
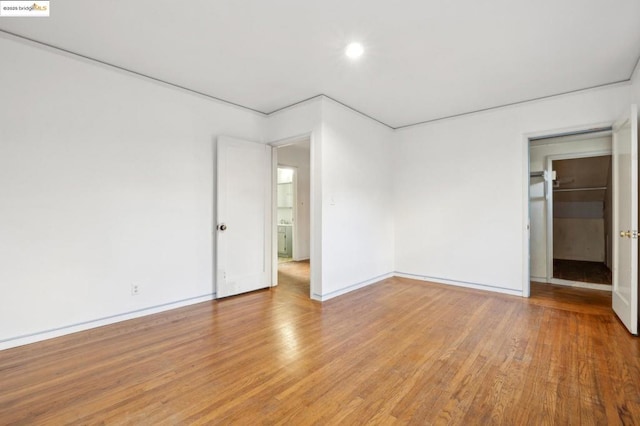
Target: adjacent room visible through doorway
[
  {"x": 582, "y": 200},
  {"x": 570, "y": 209},
  {"x": 293, "y": 217},
  {"x": 293, "y": 278},
  {"x": 285, "y": 217}
]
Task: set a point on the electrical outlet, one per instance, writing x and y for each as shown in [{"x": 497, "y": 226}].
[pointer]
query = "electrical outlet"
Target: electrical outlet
[{"x": 135, "y": 289}]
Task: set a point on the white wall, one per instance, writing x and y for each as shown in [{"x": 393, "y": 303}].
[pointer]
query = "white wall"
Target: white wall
[
  {"x": 578, "y": 239},
  {"x": 297, "y": 155},
  {"x": 298, "y": 123},
  {"x": 579, "y": 209},
  {"x": 461, "y": 188},
  {"x": 636, "y": 85},
  {"x": 538, "y": 205},
  {"x": 357, "y": 200},
  {"x": 106, "y": 179},
  {"x": 351, "y": 180}
]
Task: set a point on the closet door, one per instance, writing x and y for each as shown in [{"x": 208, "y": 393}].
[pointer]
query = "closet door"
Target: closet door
[{"x": 625, "y": 220}]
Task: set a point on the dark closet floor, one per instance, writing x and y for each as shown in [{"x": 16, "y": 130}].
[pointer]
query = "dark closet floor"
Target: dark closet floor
[{"x": 576, "y": 270}]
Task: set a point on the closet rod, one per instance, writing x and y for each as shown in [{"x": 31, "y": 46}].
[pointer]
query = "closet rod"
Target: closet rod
[{"x": 599, "y": 188}]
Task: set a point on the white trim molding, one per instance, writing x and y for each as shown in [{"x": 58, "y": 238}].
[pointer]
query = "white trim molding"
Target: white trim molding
[
  {"x": 13, "y": 342},
  {"x": 466, "y": 284}
]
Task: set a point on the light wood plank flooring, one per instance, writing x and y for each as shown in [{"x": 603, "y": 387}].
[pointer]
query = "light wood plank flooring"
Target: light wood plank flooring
[{"x": 397, "y": 352}]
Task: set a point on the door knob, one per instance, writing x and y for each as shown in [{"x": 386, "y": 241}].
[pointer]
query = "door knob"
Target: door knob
[
  {"x": 222, "y": 227},
  {"x": 625, "y": 234}
]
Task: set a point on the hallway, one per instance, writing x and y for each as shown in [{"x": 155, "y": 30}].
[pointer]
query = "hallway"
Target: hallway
[{"x": 293, "y": 277}]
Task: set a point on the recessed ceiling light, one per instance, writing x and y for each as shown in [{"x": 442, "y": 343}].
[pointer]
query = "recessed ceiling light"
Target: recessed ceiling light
[{"x": 354, "y": 50}]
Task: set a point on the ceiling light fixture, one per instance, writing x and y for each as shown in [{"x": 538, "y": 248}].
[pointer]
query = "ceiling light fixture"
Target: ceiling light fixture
[{"x": 354, "y": 50}]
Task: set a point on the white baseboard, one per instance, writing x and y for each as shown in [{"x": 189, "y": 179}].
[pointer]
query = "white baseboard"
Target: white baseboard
[
  {"x": 73, "y": 328},
  {"x": 99, "y": 322},
  {"x": 340, "y": 292},
  {"x": 456, "y": 283},
  {"x": 466, "y": 284},
  {"x": 580, "y": 284}
]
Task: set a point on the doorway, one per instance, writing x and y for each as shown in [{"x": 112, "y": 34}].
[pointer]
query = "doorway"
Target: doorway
[
  {"x": 581, "y": 220},
  {"x": 293, "y": 216},
  {"x": 570, "y": 216},
  {"x": 286, "y": 212}
]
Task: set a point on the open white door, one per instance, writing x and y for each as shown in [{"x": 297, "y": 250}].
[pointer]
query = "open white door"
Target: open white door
[
  {"x": 625, "y": 220},
  {"x": 243, "y": 216}
]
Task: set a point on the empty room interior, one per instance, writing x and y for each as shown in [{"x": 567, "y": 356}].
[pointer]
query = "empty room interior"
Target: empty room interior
[{"x": 319, "y": 212}]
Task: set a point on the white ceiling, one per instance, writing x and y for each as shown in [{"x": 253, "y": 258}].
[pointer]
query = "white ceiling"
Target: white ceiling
[{"x": 424, "y": 60}]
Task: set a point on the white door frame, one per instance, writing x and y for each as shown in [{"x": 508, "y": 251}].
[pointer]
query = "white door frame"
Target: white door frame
[
  {"x": 549, "y": 216},
  {"x": 313, "y": 231},
  {"x": 526, "y": 220}
]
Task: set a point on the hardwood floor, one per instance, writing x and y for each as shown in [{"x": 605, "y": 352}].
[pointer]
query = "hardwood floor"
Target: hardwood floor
[
  {"x": 293, "y": 277},
  {"x": 586, "y": 272},
  {"x": 397, "y": 352}
]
